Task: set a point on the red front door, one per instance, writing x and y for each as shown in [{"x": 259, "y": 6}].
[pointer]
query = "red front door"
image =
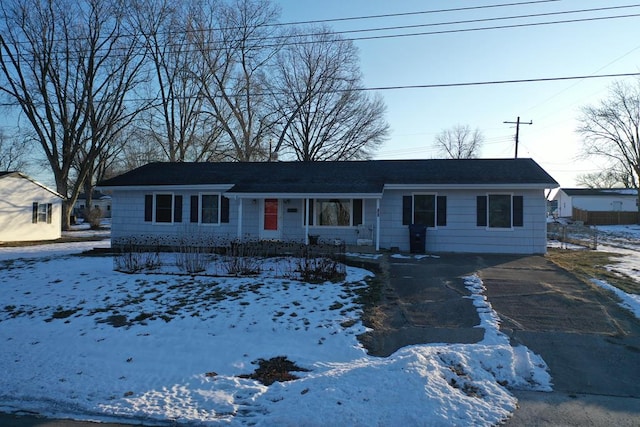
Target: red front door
[{"x": 271, "y": 214}]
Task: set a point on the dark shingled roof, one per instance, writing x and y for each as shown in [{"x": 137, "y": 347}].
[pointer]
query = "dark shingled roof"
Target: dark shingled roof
[
  {"x": 600, "y": 191},
  {"x": 367, "y": 176}
]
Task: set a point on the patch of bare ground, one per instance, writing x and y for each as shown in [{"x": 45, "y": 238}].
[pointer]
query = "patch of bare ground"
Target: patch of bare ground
[
  {"x": 587, "y": 265},
  {"x": 275, "y": 369}
]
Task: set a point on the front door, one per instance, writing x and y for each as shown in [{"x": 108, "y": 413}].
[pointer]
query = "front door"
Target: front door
[{"x": 270, "y": 224}]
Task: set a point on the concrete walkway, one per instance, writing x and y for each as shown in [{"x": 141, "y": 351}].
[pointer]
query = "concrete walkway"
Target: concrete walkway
[{"x": 590, "y": 343}]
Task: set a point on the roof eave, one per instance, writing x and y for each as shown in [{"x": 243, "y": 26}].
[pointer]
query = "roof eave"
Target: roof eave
[{"x": 490, "y": 186}]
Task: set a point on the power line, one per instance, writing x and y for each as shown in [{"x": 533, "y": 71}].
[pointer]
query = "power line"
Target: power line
[
  {"x": 292, "y": 39},
  {"x": 495, "y": 82},
  {"x": 393, "y": 15},
  {"x": 428, "y": 86},
  {"x": 467, "y": 21}
]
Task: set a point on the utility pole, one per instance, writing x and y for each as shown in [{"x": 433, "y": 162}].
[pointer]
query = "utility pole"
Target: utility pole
[{"x": 517, "y": 123}]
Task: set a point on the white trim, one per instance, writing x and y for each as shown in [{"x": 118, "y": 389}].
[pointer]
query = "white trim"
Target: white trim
[
  {"x": 233, "y": 195},
  {"x": 206, "y": 193},
  {"x": 201, "y": 187},
  {"x": 270, "y": 234},
  {"x": 434, "y": 187},
  {"x": 173, "y": 206},
  {"x": 21, "y": 175},
  {"x": 500, "y": 229}
]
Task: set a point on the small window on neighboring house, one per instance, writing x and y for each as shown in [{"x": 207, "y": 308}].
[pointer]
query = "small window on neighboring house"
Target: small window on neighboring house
[
  {"x": 499, "y": 211},
  {"x": 41, "y": 213},
  {"x": 424, "y": 209}
]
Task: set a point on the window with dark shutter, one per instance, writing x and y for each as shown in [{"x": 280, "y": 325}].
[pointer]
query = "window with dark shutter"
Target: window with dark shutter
[
  {"x": 518, "y": 211},
  {"x": 148, "y": 208},
  {"x": 357, "y": 211},
  {"x": 49, "y": 212},
  {"x": 164, "y": 208},
  {"x": 34, "y": 213},
  {"x": 224, "y": 209},
  {"x": 442, "y": 211},
  {"x": 177, "y": 209},
  {"x": 481, "y": 211},
  {"x": 407, "y": 210},
  {"x": 194, "y": 209}
]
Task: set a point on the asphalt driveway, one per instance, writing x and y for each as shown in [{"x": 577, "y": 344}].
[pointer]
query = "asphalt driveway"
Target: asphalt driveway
[{"x": 590, "y": 343}]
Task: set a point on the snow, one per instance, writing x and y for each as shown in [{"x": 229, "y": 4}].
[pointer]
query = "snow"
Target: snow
[
  {"x": 85, "y": 342},
  {"x": 625, "y": 241},
  {"x": 82, "y": 341}
]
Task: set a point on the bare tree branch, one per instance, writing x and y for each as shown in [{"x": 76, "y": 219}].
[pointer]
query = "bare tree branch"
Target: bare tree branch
[{"x": 459, "y": 142}]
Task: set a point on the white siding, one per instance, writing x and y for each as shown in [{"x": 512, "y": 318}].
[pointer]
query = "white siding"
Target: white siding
[
  {"x": 461, "y": 233},
  {"x": 605, "y": 203},
  {"x": 17, "y": 195}
]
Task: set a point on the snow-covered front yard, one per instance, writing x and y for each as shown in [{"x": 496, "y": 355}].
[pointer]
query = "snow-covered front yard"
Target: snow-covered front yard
[{"x": 82, "y": 341}]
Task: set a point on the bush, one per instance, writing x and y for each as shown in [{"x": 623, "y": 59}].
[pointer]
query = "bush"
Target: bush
[{"x": 93, "y": 217}]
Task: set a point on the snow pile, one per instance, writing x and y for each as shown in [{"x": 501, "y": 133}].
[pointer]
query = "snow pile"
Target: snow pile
[
  {"x": 629, "y": 301},
  {"x": 82, "y": 341}
]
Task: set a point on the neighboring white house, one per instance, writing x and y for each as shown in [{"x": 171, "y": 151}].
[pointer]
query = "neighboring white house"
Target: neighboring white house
[
  {"x": 98, "y": 201},
  {"x": 28, "y": 210},
  {"x": 471, "y": 205},
  {"x": 595, "y": 200}
]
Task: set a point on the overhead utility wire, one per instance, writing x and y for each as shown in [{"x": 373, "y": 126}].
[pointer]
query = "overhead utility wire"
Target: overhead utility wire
[
  {"x": 303, "y": 42},
  {"x": 427, "y": 86},
  {"x": 392, "y": 15},
  {"x": 495, "y": 82},
  {"x": 497, "y": 27},
  {"x": 468, "y": 21}
]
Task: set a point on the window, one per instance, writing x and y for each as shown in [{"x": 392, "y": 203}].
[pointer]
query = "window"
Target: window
[
  {"x": 209, "y": 209},
  {"x": 335, "y": 212},
  {"x": 424, "y": 209},
  {"x": 41, "y": 213},
  {"x": 499, "y": 211},
  {"x": 163, "y": 208}
]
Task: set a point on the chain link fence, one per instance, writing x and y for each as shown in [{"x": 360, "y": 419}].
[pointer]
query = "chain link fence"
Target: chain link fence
[{"x": 575, "y": 233}]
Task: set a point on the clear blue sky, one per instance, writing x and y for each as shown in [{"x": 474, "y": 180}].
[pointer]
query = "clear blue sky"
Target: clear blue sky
[{"x": 416, "y": 115}]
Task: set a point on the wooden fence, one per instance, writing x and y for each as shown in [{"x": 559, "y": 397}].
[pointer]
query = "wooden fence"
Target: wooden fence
[{"x": 605, "y": 217}]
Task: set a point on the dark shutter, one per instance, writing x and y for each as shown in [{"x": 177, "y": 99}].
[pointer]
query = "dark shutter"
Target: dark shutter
[
  {"x": 49, "y": 212},
  {"x": 518, "y": 211},
  {"x": 148, "y": 208},
  {"x": 224, "y": 209},
  {"x": 177, "y": 208},
  {"x": 407, "y": 210},
  {"x": 34, "y": 213},
  {"x": 194, "y": 208},
  {"x": 442, "y": 211},
  {"x": 357, "y": 211},
  {"x": 481, "y": 211},
  {"x": 310, "y": 213}
]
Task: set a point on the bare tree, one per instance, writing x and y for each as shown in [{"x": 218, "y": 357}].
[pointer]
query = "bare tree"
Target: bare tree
[
  {"x": 611, "y": 129},
  {"x": 324, "y": 114},
  {"x": 177, "y": 122},
  {"x": 459, "y": 142},
  {"x": 69, "y": 65},
  {"x": 610, "y": 177},
  {"x": 13, "y": 153},
  {"x": 238, "y": 42}
]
